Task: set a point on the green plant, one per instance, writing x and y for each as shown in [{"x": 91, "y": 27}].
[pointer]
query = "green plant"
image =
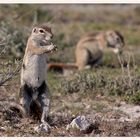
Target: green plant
[{"x": 13, "y": 40}]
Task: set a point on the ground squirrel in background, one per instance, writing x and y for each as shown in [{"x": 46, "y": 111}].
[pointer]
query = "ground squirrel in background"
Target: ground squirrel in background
[{"x": 90, "y": 49}]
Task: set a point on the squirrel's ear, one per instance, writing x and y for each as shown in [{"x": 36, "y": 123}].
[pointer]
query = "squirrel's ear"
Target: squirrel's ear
[{"x": 34, "y": 30}]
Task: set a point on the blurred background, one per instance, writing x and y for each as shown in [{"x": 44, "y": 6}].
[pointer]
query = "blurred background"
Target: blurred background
[{"x": 69, "y": 23}]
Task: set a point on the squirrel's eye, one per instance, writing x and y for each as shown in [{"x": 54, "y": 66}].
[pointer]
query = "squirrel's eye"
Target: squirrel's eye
[{"x": 41, "y": 31}]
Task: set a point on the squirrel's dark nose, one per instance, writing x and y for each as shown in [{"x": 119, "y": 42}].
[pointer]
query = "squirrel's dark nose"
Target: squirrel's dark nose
[
  {"x": 51, "y": 36},
  {"x": 118, "y": 39}
]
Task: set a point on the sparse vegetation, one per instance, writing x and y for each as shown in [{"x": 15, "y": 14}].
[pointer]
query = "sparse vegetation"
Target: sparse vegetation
[
  {"x": 13, "y": 40},
  {"x": 101, "y": 82},
  {"x": 91, "y": 92}
]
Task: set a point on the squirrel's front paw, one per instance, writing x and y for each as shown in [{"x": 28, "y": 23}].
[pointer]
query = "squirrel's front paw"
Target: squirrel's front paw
[{"x": 52, "y": 48}]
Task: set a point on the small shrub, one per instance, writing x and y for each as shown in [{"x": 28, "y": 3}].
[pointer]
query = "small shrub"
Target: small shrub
[
  {"x": 13, "y": 40},
  {"x": 82, "y": 83},
  {"x": 102, "y": 82},
  {"x": 134, "y": 98}
]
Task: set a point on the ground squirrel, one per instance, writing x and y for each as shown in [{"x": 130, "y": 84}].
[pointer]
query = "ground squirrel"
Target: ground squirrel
[{"x": 33, "y": 87}]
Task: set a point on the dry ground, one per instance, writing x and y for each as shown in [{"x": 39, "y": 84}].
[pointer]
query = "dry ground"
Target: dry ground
[{"x": 106, "y": 112}]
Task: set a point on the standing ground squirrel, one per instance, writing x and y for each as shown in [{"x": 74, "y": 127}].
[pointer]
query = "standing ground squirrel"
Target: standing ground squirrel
[{"x": 33, "y": 87}]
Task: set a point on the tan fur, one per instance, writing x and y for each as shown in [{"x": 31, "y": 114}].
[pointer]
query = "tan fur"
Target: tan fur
[
  {"x": 35, "y": 57},
  {"x": 33, "y": 88},
  {"x": 91, "y": 47}
]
